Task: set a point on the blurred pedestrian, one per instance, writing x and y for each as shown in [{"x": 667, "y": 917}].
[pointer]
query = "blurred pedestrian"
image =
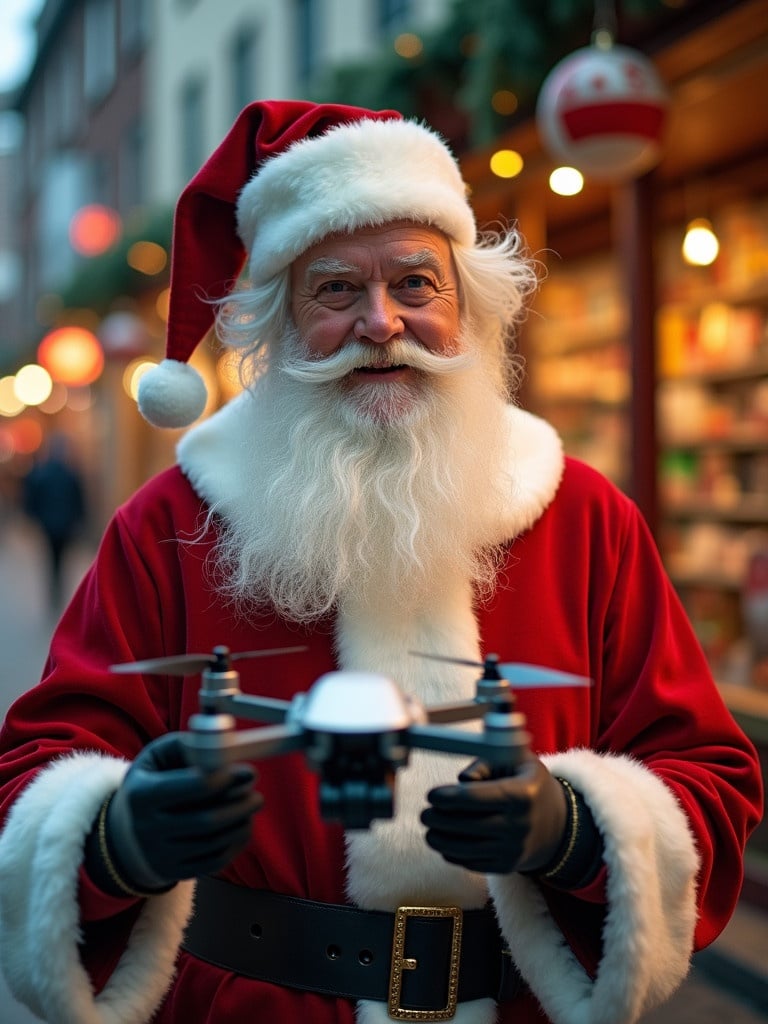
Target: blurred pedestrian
[{"x": 53, "y": 496}]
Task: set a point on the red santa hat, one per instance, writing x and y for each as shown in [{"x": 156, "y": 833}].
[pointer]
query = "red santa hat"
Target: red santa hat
[{"x": 288, "y": 174}]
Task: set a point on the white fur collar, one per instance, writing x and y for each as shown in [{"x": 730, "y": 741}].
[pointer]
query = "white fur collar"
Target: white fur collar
[{"x": 212, "y": 455}]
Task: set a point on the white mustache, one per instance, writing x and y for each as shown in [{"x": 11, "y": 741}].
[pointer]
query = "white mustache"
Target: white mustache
[{"x": 355, "y": 355}]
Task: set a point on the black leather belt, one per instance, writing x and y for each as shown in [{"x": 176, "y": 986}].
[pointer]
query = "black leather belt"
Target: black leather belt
[{"x": 417, "y": 959}]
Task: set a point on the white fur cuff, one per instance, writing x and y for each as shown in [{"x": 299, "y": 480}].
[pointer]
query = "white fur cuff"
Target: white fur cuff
[
  {"x": 648, "y": 933},
  {"x": 41, "y": 850}
]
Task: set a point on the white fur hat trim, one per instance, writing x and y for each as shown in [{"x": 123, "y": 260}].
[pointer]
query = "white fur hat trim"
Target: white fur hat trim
[{"x": 355, "y": 175}]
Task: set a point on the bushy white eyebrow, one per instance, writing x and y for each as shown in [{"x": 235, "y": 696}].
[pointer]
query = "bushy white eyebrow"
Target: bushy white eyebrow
[
  {"x": 330, "y": 265},
  {"x": 422, "y": 258}
]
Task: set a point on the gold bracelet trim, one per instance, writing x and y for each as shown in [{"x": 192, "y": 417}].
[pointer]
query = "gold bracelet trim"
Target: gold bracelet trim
[
  {"x": 114, "y": 874},
  {"x": 574, "y": 831}
]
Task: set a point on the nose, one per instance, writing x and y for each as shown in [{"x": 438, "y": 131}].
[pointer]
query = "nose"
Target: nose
[{"x": 379, "y": 320}]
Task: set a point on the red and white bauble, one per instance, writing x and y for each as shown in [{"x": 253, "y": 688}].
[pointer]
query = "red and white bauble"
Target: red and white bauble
[{"x": 602, "y": 111}]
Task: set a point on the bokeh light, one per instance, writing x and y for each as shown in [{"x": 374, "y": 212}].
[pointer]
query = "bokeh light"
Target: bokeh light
[
  {"x": 408, "y": 45},
  {"x": 27, "y": 435},
  {"x": 7, "y": 447},
  {"x": 10, "y": 403},
  {"x": 504, "y": 102},
  {"x": 147, "y": 257},
  {"x": 94, "y": 229},
  {"x": 700, "y": 245},
  {"x": 72, "y": 355},
  {"x": 32, "y": 384},
  {"x": 56, "y": 400},
  {"x": 566, "y": 181},
  {"x": 506, "y": 163},
  {"x": 162, "y": 304},
  {"x": 133, "y": 373}
]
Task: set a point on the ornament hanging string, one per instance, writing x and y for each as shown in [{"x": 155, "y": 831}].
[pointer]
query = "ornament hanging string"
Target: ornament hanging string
[{"x": 605, "y": 24}]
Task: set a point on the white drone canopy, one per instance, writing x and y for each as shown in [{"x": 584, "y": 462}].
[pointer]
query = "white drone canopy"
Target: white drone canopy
[{"x": 357, "y": 702}]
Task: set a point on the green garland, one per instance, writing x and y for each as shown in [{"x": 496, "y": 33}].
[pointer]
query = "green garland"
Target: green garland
[{"x": 482, "y": 47}]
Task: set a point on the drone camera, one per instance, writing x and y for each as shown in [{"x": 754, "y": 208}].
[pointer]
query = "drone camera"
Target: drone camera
[
  {"x": 355, "y": 804},
  {"x": 357, "y": 775}
]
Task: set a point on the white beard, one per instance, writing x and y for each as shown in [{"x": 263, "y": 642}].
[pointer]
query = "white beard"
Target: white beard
[
  {"x": 384, "y": 503},
  {"x": 371, "y": 498}
]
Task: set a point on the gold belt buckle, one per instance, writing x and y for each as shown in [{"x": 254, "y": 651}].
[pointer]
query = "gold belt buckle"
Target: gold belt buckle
[{"x": 400, "y": 963}]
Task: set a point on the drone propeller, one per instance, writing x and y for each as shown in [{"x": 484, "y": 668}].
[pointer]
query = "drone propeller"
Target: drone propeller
[
  {"x": 519, "y": 674},
  {"x": 218, "y": 660}
]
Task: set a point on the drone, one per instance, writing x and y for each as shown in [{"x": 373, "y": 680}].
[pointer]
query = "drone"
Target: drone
[{"x": 356, "y": 729}]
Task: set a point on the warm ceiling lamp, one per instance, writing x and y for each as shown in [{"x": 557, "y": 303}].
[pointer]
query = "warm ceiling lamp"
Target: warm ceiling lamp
[
  {"x": 506, "y": 163},
  {"x": 566, "y": 181},
  {"x": 72, "y": 355},
  {"x": 700, "y": 245}
]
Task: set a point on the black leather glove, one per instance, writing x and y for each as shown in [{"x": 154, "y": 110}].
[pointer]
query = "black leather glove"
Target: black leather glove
[
  {"x": 170, "y": 820},
  {"x": 498, "y": 825}
]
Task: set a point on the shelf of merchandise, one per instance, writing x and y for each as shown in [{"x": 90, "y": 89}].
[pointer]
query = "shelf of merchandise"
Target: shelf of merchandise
[
  {"x": 576, "y": 349},
  {"x": 712, "y": 335}
]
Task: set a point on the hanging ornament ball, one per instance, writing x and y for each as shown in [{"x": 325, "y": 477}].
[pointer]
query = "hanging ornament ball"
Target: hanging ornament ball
[{"x": 602, "y": 110}]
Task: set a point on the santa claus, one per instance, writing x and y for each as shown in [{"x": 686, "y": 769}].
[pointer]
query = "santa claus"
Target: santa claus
[{"x": 372, "y": 492}]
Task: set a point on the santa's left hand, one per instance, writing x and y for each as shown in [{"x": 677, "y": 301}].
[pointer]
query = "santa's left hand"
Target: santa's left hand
[{"x": 498, "y": 825}]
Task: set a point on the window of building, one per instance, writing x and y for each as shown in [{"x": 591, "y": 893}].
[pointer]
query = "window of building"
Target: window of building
[
  {"x": 243, "y": 67},
  {"x": 51, "y": 85},
  {"x": 63, "y": 102},
  {"x": 307, "y": 38},
  {"x": 33, "y": 136},
  {"x": 132, "y": 183},
  {"x": 100, "y": 58},
  {"x": 192, "y": 127},
  {"x": 134, "y": 25},
  {"x": 67, "y": 184}
]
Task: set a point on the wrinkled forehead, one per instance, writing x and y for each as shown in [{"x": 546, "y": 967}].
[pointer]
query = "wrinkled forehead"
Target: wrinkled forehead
[{"x": 401, "y": 245}]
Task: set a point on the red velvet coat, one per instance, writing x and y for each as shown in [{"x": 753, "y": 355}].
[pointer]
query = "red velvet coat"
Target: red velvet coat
[{"x": 582, "y": 590}]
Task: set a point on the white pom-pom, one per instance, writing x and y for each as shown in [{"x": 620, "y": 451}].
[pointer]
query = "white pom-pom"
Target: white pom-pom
[{"x": 172, "y": 394}]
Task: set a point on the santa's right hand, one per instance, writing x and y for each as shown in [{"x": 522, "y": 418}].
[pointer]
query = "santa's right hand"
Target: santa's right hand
[{"x": 171, "y": 820}]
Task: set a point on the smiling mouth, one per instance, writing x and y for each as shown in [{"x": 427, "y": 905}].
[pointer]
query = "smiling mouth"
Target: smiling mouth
[{"x": 381, "y": 370}]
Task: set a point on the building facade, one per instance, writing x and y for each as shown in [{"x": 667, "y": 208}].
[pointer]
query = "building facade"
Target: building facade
[{"x": 124, "y": 102}]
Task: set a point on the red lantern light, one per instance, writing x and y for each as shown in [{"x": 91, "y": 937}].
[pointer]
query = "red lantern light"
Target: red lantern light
[
  {"x": 72, "y": 356},
  {"x": 94, "y": 229},
  {"x": 602, "y": 110}
]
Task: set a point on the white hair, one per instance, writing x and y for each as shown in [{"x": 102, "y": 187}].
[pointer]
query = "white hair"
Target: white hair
[{"x": 496, "y": 277}]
